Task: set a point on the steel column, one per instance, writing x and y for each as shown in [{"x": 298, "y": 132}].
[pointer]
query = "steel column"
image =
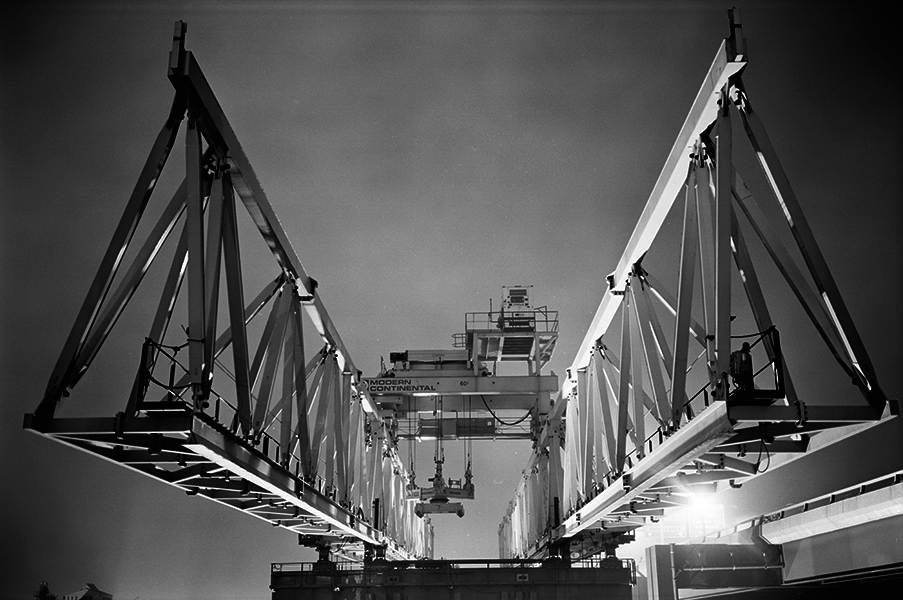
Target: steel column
[
  {"x": 194, "y": 224},
  {"x": 236, "y": 301},
  {"x": 623, "y": 388},
  {"x": 705, "y": 215},
  {"x": 637, "y": 361},
  {"x": 723, "y": 211},
  {"x": 584, "y": 436},
  {"x": 684, "y": 305}
]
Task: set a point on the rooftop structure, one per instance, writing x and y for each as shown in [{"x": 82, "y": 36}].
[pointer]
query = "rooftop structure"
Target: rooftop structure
[{"x": 89, "y": 592}]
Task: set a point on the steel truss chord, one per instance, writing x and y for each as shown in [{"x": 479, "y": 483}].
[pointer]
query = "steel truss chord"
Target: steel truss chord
[{"x": 723, "y": 213}]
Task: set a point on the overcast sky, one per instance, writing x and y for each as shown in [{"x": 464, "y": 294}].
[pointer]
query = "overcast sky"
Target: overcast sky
[{"x": 420, "y": 156}]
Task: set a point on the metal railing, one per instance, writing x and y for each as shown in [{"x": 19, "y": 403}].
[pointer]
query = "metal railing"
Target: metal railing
[
  {"x": 476, "y": 563},
  {"x": 539, "y": 319}
]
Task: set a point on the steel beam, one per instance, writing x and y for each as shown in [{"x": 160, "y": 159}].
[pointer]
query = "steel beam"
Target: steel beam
[
  {"x": 428, "y": 385},
  {"x": 637, "y": 362},
  {"x": 194, "y": 226},
  {"x": 424, "y": 404},
  {"x": 685, "y": 482},
  {"x": 621, "y": 420},
  {"x": 302, "y": 399},
  {"x": 288, "y": 385},
  {"x": 705, "y": 219},
  {"x": 813, "y": 414},
  {"x": 765, "y": 431},
  {"x": 728, "y": 462},
  {"x": 109, "y": 425},
  {"x": 684, "y": 304},
  {"x": 212, "y": 270},
  {"x": 583, "y": 437},
  {"x": 236, "y": 303},
  {"x": 775, "y": 447},
  {"x": 723, "y": 212},
  {"x": 709, "y": 429}
]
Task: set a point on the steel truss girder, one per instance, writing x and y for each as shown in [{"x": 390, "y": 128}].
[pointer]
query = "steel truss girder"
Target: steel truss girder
[
  {"x": 702, "y": 161},
  {"x": 270, "y": 431}
]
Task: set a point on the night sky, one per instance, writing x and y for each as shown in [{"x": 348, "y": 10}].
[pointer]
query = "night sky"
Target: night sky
[{"x": 420, "y": 156}]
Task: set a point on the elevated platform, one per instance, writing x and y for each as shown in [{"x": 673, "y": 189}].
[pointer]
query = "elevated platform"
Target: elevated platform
[
  {"x": 201, "y": 455},
  {"x": 523, "y": 335},
  {"x": 465, "y": 580}
]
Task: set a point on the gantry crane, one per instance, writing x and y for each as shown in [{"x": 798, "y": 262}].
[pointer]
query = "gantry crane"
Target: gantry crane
[{"x": 495, "y": 368}]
